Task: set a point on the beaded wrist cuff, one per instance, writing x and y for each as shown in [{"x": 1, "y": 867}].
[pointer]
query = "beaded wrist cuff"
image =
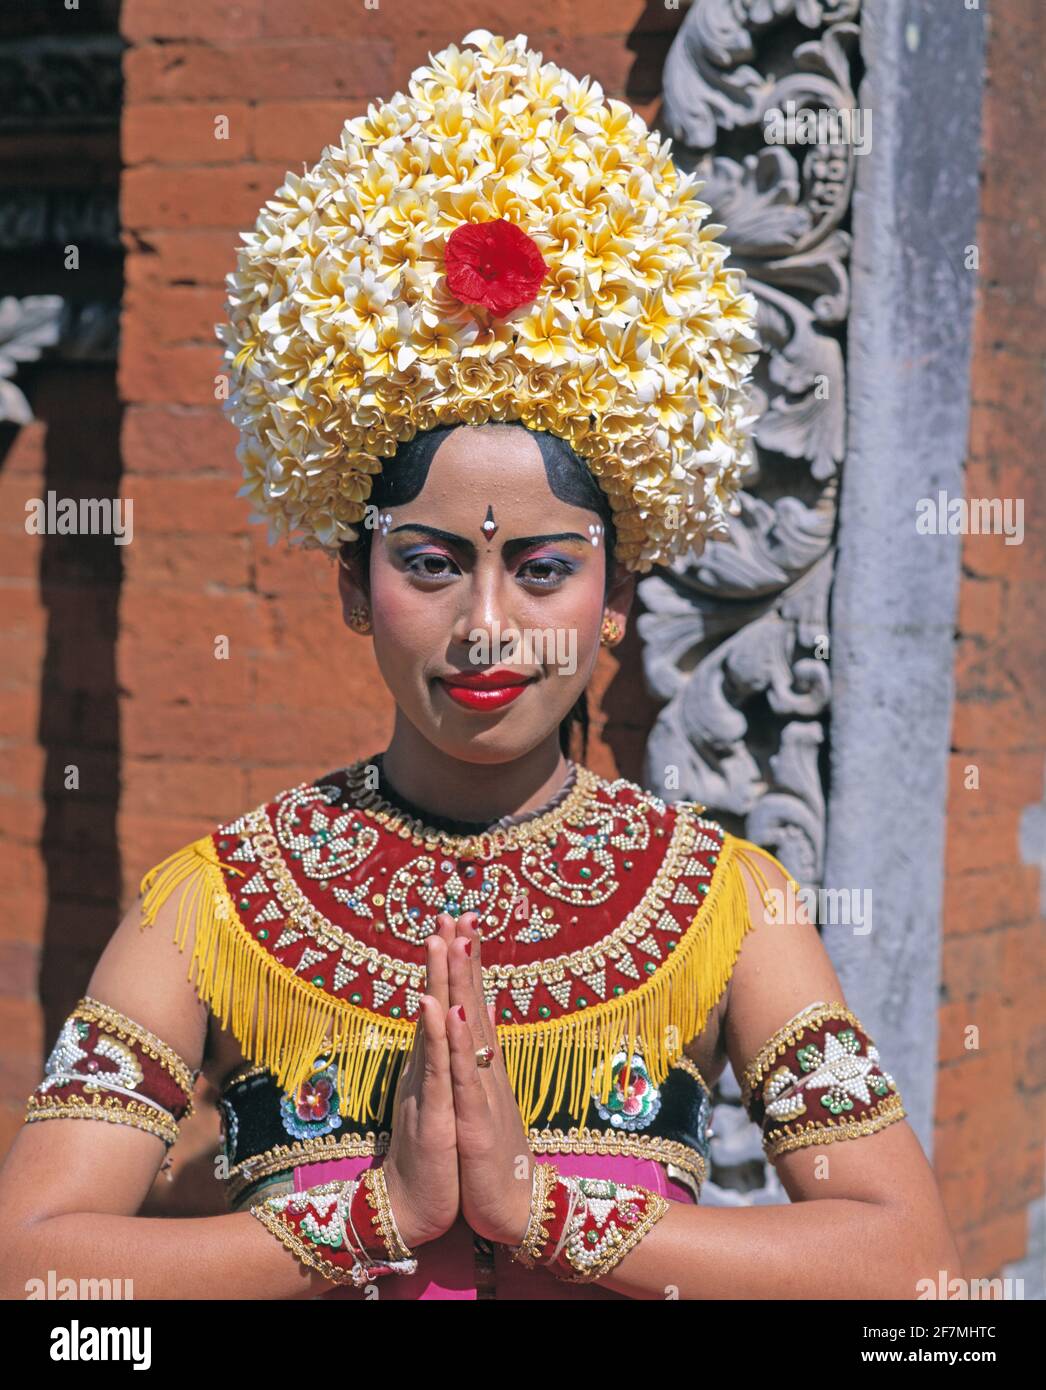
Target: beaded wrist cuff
[
  {"x": 817, "y": 1080},
  {"x": 580, "y": 1228},
  {"x": 105, "y": 1066},
  {"x": 344, "y": 1229}
]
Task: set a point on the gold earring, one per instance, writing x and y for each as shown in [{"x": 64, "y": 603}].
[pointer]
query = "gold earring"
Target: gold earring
[
  {"x": 610, "y": 634},
  {"x": 360, "y": 620}
]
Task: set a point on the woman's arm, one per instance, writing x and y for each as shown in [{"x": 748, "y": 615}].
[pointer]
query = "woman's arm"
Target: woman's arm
[
  {"x": 70, "y": 1188},
  {"x": 866, "y": 1221}
]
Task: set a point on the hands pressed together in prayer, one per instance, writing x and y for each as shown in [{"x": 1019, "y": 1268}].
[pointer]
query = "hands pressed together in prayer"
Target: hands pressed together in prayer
[{"x": 458, "y": 1142}]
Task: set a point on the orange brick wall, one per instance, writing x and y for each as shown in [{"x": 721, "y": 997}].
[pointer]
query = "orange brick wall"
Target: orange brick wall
[{"x": 991, "y": 1102}]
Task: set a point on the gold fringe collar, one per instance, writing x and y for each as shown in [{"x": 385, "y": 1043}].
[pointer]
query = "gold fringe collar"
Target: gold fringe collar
[{"x": 294, "y": 1021}]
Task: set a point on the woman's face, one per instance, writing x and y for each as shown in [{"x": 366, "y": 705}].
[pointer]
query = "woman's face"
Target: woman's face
[{"x": 448, "y": 602}]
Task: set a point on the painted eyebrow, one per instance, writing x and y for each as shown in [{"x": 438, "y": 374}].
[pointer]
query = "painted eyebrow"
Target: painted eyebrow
[{"x": 508, "y": 549}]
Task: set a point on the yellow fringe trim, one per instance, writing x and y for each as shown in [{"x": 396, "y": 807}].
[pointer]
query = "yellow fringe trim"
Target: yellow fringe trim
[{"x": 295, "y": 1021}]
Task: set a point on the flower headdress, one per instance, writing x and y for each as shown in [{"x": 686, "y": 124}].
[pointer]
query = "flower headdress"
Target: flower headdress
[{"x": 500, "y": 244}]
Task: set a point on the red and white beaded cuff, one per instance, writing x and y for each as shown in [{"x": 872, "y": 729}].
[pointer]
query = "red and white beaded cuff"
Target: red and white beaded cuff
[
  {"x": 344, "y": 1229},
  {"x": 580, "y": 1228},
  {"x": 105, "y": 1066},
  {"x": 818, "y": 1079}
]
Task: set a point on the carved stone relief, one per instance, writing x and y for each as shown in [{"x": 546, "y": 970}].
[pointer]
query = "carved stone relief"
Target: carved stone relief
[
  {"x": 31, "y": 326},
  {"x": 60, "y": 82},
  {"x": 735, "y": 641}
]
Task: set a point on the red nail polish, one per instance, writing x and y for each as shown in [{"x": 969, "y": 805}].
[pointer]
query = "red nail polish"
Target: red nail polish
[
  {"x": 468, "y": 948},
  {"x": 461, "y": 1012}
]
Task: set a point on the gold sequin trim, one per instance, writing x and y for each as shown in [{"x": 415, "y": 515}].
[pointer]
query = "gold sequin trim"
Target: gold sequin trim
[
  {"x": 370, "y": 804},
  {"x": 137, "y": 1114},
  {"x": 776, "y": 1046},
  {"x": 595, "y": 1141},
  {"x": 110, "y": 1020},
  {"x": 326, "y": 1148},
  {"x": 684, "y": 1063},
  {"x": 246, "y": 1070},
  {"x": 788, "y": 1137},
  {"x": 321, "y": 1149}
]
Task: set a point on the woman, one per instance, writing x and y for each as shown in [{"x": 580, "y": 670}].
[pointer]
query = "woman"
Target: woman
[{"x": 463, "y": 999}]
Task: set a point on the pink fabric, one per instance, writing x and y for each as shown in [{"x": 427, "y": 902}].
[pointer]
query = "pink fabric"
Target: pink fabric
[{"x": 446, "y": 1267}]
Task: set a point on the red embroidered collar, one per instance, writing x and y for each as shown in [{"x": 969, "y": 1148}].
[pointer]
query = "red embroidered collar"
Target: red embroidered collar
[{"x": 615, "y": 915}]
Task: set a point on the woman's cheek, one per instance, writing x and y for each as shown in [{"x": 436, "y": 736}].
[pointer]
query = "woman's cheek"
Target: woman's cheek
[{"x": 403, "y": 639}]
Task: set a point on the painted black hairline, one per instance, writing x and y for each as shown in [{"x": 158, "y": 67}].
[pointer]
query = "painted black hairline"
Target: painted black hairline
[{"x": 403, "y": 476}]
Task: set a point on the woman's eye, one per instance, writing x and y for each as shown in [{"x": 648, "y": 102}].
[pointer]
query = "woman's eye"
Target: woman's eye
[
  {"x": 549, "y": 572},
  {"x": 429, "y": 565}
]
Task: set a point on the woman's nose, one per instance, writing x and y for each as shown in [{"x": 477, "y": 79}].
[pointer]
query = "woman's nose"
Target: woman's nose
[{"x": 487, "y": 612}]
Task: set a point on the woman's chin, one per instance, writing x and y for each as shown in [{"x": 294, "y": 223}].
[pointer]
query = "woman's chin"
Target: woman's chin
[{"x": 458, "y": 734}]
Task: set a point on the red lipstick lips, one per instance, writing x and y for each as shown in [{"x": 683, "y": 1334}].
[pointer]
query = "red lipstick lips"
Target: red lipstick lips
[{"x": 485, "y": 690}]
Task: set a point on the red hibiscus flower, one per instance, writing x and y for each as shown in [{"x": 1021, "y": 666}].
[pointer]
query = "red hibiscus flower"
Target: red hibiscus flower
[{"x": 494, "y": 264}]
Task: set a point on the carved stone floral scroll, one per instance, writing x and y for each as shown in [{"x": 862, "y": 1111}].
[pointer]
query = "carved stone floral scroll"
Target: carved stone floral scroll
[{"x": 736, "y": 640}]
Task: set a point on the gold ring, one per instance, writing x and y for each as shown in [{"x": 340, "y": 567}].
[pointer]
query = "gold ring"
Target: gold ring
[{"x": 484, "y": 1056}]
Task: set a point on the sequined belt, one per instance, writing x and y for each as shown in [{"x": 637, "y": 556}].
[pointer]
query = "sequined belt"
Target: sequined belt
[{"x": 267, "y": 1132}]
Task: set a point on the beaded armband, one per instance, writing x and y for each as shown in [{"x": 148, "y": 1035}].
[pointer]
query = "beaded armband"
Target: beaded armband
[
  {"x": 580, "y": 1228},
  {"x": 344, "y": 1229},
  {"x": 105, "y": 1066},
  {"x": 818, "y": 1079}
]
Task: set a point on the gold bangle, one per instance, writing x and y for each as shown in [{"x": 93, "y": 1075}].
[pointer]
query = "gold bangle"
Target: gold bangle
[
  {"x": 528, "y": 1251},
  {"x": 378, "y": 1198}
]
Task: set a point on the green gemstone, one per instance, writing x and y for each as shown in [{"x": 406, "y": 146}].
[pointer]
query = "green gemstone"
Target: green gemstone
[
  {"x": 713, "y": 858},
  {"x": 355, "y": 998},
  {"x": 619, "y": 989},
  {"x": 581, "y": 1002},
  {"x": 702, "y": 887},
  {"x": 591, "y": 1237},
  {"x": 263, "y": 935},
  {"x": 544, "y": 1011},
  {"x": 317, "y": 979},
  {"x": 506, "y": 1013},
  {"x": 650, "y": 967},
  {"x": 627, "y": 863},
  {"x": 395, "y": 1011},
  {"x": 671, "y": 945},
  {"x": 295, "y": 854},
  {"x": 586, "y": 873}
]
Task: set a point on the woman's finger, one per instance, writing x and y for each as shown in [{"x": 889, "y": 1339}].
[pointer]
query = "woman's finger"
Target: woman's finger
[
  {"x": 467, "y": 927},
  {"x": 437, "y": 989},
  {"x": 470, "y": 1100},
  {"x": 435, "y": 1061},
  {"x": 463, "y": 991},
  {"x": 437, "y": 982}
]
